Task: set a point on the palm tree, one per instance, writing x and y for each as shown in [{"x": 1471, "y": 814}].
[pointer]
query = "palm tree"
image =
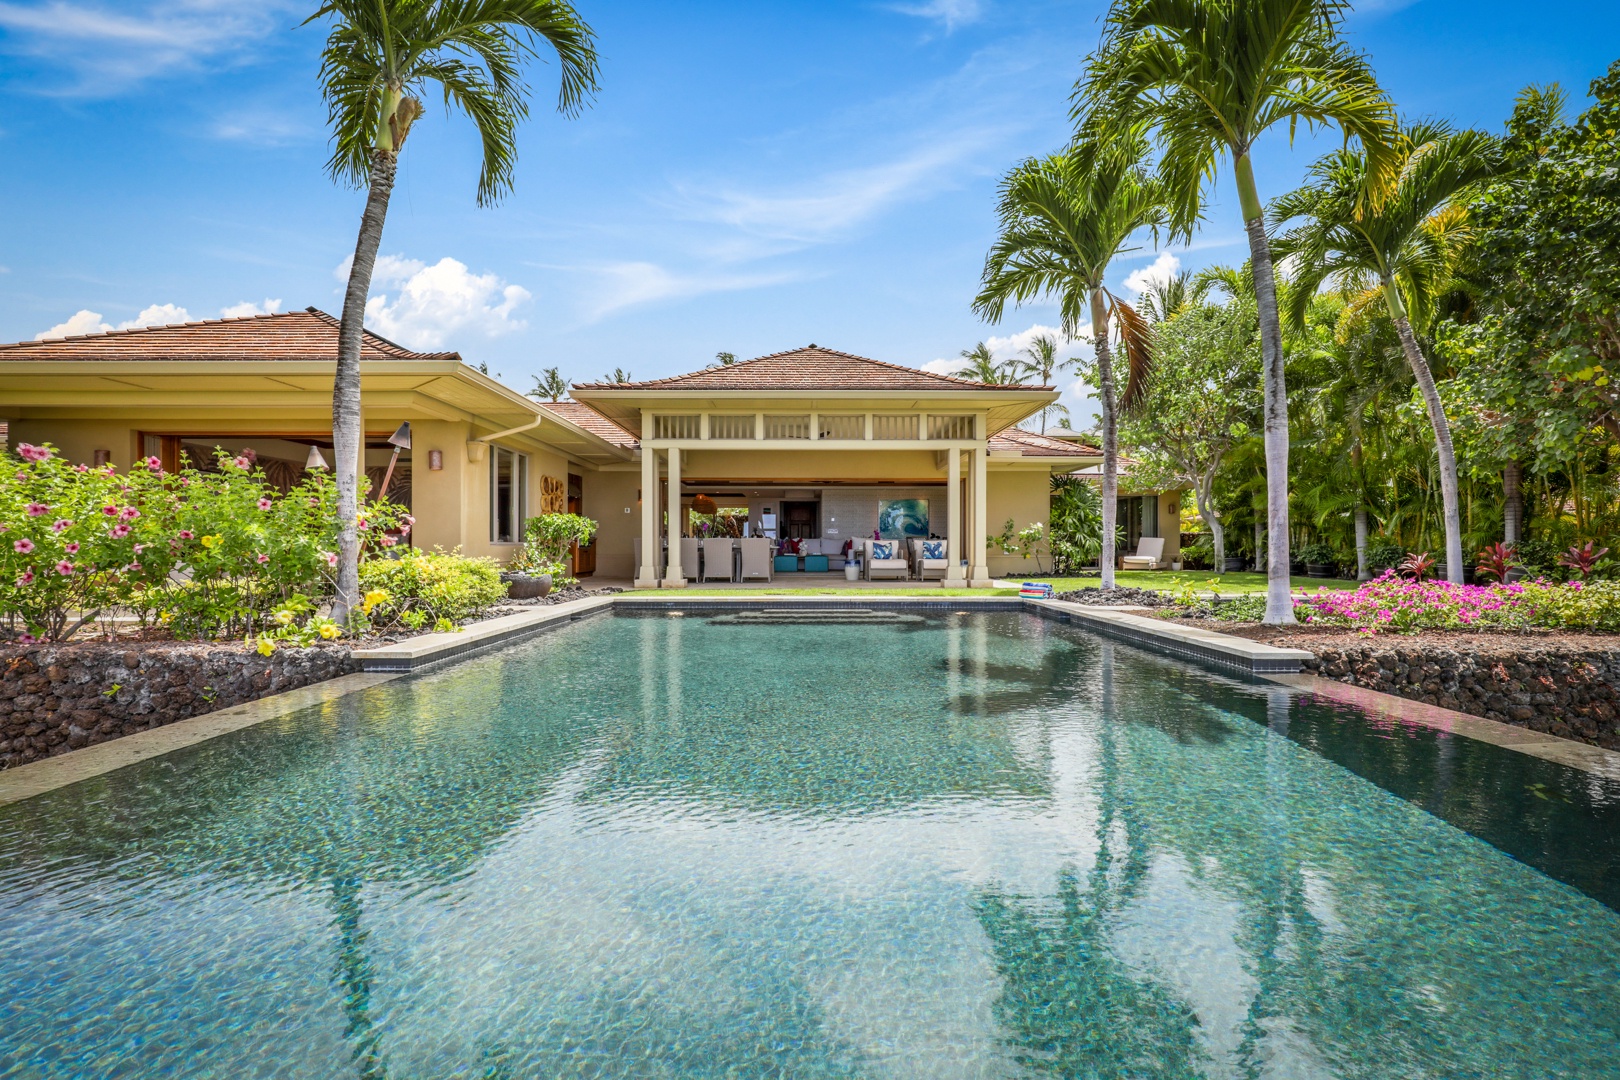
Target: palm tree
[
  {"x": 379, "y": 56},
  {"x": 724, "y": 359},
  {"x": 1162, "y": 300},
  {"x": 618, "y": 375},
  {"x": 1207, "y": 78},
  {"x": 982, "y": 366},
  {"x": 1040, "y": 362},
  {"x": 549, "y": 385},
  {"x": 1064, "y": 218},
  {"x": 1400, "y": 251}
]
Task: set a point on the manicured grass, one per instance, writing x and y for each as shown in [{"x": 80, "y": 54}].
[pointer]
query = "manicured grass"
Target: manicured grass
[{"x": 1232, "y": 584}]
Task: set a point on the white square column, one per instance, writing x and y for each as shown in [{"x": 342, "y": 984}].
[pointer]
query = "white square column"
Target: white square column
[
  {"x": 647, "y": 572},
  {"x": 673, "y": 577},
  {"x": 979, "y": 571},
  {"x": 954, "y": 576}
]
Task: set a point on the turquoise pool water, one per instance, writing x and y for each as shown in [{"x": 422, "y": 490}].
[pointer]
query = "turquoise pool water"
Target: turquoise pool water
[{"x": 983, "y": 846}]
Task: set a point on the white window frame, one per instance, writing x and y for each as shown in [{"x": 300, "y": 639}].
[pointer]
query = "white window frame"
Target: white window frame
[{"x": 518, "y": 497}]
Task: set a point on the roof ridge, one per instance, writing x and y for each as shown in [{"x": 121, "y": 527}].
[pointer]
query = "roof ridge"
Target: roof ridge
[
  {"x": 125, "y": 331},
  {"x": 957, "y": 380}
]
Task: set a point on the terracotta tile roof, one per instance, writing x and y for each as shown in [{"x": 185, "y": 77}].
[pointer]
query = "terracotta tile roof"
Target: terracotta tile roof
[
  {"x": 583, "y": 416},
  {"x": 810, "y": 368},
  {"x": 1033, "y": 444},
  {"x": 290, "y": 335}
]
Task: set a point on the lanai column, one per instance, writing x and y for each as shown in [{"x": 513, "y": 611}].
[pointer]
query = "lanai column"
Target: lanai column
[
  {"x": 647, "y": 572},
  {"x": 673, "y": 577},
  {"x": 979, "y": 573},
  {"x": 954, "y": 578}
]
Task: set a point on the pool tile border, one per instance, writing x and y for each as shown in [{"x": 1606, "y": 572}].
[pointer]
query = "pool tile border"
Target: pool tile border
[
  {"x": 37, "y": 777},
  {"x": 430, "y": 649}
]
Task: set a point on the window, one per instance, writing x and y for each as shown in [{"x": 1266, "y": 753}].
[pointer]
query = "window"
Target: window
[{"x": 508, "y": 495}]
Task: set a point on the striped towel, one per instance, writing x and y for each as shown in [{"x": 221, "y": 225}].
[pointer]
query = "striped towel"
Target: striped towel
[{"x": 1036, "y": 590}]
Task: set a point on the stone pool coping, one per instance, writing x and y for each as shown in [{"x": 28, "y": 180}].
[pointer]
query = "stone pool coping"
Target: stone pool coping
[{"x": 384, "y": 664}]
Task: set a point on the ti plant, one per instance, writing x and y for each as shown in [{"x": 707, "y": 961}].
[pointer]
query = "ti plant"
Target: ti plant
[
  {"x": 1581, "y": 561},
  {"x": 1417, "y": 565},
  {"x": 1495, "y": 560}
]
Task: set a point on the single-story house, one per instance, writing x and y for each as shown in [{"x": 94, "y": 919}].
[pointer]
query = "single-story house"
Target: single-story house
[{"x": 810, "y": 442}]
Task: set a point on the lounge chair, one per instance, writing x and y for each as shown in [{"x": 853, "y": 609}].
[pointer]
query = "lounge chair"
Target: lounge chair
[
  {"x": 756, "y": 558},
  {"x": 896, "y": 566},
  {"x": 717, "y": 559},
  {"x": 1149, "y": 552},
  {"x": 924, "y": 568}
]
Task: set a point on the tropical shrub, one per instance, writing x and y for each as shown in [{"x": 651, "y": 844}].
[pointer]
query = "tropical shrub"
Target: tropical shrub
[
  {"x": 207, "y": 552},
  {"x": 76, "y": 539},
  {"x": 1577, "y": 606},
  {"x": 546, "y": 543},
  {"x": 1075, "y": 535},
  {"x": 429, "y": 588},
  {"x": 1384, "y": 554},
  {"x": 1317, "y": 553}
]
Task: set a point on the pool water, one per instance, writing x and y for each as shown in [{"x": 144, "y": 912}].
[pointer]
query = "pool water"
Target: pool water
[{"x": 978, "y": 846}]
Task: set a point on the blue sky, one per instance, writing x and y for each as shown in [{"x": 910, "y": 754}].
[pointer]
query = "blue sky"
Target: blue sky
[{"x": 753, "y": 177}]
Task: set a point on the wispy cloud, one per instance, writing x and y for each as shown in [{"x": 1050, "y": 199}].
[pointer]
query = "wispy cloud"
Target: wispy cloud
[
  {"x": 828, "y": 206},
  {"x": 631, "y": 284},
  {"x": 949, "y": 13},
  {"x": 106, "y": 47}
]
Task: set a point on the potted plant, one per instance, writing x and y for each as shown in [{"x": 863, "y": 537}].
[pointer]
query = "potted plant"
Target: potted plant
[
  {"x": 542, "y": 561},
  {"x": 1319, "y": 559}
]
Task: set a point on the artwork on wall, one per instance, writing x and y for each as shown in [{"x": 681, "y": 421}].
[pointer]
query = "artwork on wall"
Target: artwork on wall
[
  {"x": 553, "y": 496},
  {"x": 900, "y": 519}
]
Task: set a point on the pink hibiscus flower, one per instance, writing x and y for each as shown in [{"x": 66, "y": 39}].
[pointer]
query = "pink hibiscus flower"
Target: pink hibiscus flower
[
  {"x": 26, "y": 577},
  {"x": 129, "y": 513},
  {"x": 154, "y": 463},
  {"x": 118, "y": 532},
  {"x": 64, "y": 568},
  {"x": 62, "y": 525},
  {"x": 263, "y": 559},
  {"x": 187, "y": 534},
  {"x": 110, "y": 511},
  {"x": 264, "y": 504},
  {"x": 73, "y": 548},
  {"x": 23, "y": 546},
  {"x": 38, "y": 509}
]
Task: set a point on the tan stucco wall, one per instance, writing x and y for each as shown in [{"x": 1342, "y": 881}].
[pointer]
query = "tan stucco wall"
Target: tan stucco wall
[
  {"x": 607, "y": 495},
  {"x": 1024, "y": 496},
  {"x": 78, "y": 440}
]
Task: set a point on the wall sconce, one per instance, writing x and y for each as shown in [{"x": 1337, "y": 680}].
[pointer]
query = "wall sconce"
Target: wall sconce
[
  {"x": 102, "y": 457},
  {"x": 436, "y": 460}
]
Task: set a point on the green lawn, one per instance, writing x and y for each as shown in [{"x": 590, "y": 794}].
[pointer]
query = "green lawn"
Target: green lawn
[
  {"x": 1232, "y": 584},
  {"x": 851, "y": 594}
]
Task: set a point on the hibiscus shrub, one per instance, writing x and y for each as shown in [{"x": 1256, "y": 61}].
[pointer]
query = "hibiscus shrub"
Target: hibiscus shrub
[{"x": 207, "y": 552}]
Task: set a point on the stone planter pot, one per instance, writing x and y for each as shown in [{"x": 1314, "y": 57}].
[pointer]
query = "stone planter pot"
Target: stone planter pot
[
  {"x": 525, "y": 587},
  {"x": 1236, "y": 564},
  {"x": 1318, "y": 570},
  {"x": 1517, "y": 573}
]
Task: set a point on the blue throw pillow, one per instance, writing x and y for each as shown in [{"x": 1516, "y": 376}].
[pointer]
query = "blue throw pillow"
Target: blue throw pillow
[
  {"x": 933, "y": 549},
  {"x": 882, "y": 550}
]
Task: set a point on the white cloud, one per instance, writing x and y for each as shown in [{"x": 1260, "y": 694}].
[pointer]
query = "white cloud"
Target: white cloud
[
  {"x": 86, "y": 321},
  {"x": 425, "y": 305},
  {"x": 952, "y": 13},
  {"x": 1161, "y": 270},
  {"x": 248, "y": 307},
  {"x": 111, "y": 46},
  {"x": 1077, "y": 396}
]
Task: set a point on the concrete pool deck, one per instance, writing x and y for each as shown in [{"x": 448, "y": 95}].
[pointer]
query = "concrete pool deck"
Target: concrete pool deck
[{"x": 383, "y": 664}]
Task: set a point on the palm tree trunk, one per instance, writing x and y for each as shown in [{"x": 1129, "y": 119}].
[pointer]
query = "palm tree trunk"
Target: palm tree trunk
[
  {"x": 346, "y": 433},
  {"x": 1110, "y": 435},
  {"x": 1512, "y": 503},
  {"x": 1362, "y": 573},
  {"x": 1442, "y": 431},
  {"x": 1279, "y": 598}
]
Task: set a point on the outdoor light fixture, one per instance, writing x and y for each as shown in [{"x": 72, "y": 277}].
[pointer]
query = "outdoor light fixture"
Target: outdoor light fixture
[
  {"x": 399, "y": 440},
  {"x": 435, "y": 460},
  {"x": 315, "y": 460},
  {"x": 102, "y": 457}
]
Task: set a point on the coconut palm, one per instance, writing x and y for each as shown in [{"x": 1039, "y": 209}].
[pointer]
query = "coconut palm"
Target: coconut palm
[
  {"x": 982, "y": 366},
  {"x": 1207, "y": 78},
  {"x": 549, "y": 385},
  {"x": 1064, "y": 219},
  {"x": 1040, "y": 362},
  {"x": 379, "y": 56},
  {"x": 1163, "y": 299},
  {"x": 1399, "y": 251},
  {"x": 618, "y": 375}
]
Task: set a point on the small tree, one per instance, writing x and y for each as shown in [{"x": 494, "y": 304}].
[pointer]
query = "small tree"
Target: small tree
[
  {"x": 1204, "y": 400},
  {"x": 548, "y": 541}
]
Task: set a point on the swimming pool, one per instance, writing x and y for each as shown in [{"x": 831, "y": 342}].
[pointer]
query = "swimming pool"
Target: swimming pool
[{"x": 980, "y": 845}]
